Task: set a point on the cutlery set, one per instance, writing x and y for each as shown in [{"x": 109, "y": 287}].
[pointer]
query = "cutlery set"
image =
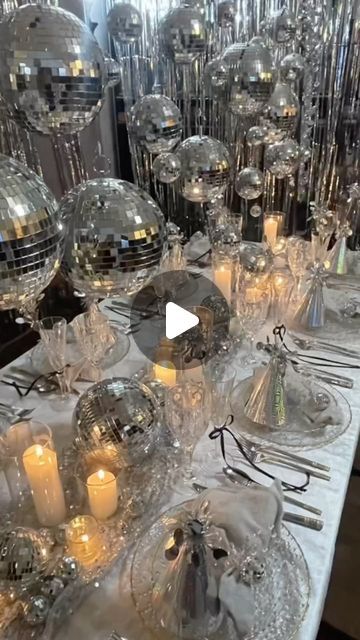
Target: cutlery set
[{"x": 14, "y": 414}]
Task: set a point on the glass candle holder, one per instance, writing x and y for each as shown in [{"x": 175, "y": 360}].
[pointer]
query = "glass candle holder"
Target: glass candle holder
[
  {"x": 98, "y": 483},
  {"x": 223, "y": 273},
  {"x": 273, "y": 228},
  {"x": 84, "y": 541}
]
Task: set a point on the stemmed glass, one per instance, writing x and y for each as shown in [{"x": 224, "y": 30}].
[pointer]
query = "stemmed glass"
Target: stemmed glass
[
  {"x": 94, "y": 336},
  {"x": 52, "y": 331},
  {"x": 252, "y": 310},
  {"x": 298, "y": 258},
  {"x": 219, "y": 379}
]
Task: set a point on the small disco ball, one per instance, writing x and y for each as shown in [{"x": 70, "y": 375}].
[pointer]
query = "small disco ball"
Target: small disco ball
[
  {"x": 118, "y": 414},
  {"x": 272, "y": 133},
  {"x": 205, "y": 168},
  {"x": 155, "y": 123},
  {"x": 31, "y": 236},
  {"x": 24, "y": 556},
  {"x": 249, "y": 183},
  {"x": 255, "y": 136},
  {"x": 255, "y": 211},
  {"x": 183, "y": 34},
  {"x": 216, "y": 75},
  {"x": 256, "y": 261},
  {"x": 292, "y": 67},
  {"x": 283, "y": 108},
  {"x": 226, "y": 14},
  {"x": 116, "y": 237},
  {"x": 282, "y": 159},
  {"x": 124, "y": 23},
  {"x": 36, "y": 610},
  {"x": 166, "y": 167},
  {"x": 281, "y": 27},
  {"x": 113, "y": 71},
  {"x": 52, "y": 69}
]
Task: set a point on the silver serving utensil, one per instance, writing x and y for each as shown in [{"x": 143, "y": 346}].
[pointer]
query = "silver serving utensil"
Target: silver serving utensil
[
  {"x": 329, "y": 378},
  {"x": 308, "y": 344}
]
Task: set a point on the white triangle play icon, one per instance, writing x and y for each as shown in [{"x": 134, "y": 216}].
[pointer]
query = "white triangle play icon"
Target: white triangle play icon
[{"x": 178, "y": 320}]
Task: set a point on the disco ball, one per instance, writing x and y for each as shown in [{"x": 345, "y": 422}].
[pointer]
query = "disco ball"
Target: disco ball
[
  {"x": 292, "y": 67},
  {"x": 253, "y": 82},
  {"x": 155, "y": 123},
  {"x": 249, "y": 183},
  {"x": 283, "y": 108},
  {"x": 30, "y": 235},
  {"x": 205, "y": 168},
  {"x": 183, "y": 34},
  {"x": 118, "y": 414},
  {"x": 52, "y": 69},
  {"x": 124, "y": 23},
  {"x": 272, "y": 133},
  {"x": 255, "y": 211},
  {"x": 256, "y": 136},
  {"x": 233, "y": 54},
  {"x": 282, "y": 159},
  {"x": 226, "y": 14},
  {"x": 116, "y": 237},
  {"x": 256, "y": 261},
  {"x": 281, "y": 26},
  {"x": 113, "y": 71},
  {"x": 24, "y": 556},
  {"x": 166, "y": 167},
  {"x": 216, "y": 75}
]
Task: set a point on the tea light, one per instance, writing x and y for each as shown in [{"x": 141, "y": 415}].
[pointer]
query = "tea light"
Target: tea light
[
  {"x": 84, "y": 540},
  {"x": 222, "y": 279},
  {"x": 165, "y": 372},
  {"x": 271, "y": 230},
  {"x": 102, "y": 493},
  {"x": 42, "y": 472}
]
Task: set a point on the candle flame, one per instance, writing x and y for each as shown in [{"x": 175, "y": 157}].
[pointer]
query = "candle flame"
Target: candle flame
[
  {"x": 101, "y": 474},
  {"x": 38, "y": 450},
  {"x": 84, "y": 537}
]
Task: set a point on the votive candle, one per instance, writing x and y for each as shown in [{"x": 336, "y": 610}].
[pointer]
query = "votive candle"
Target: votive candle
[
  {"x": 42, "y": 472},
  {"x": 84, "y": 540},
  {"x": 102, "y": 493},
  {"x": 165, "y": 372},
  {"x": 271, "y": 230},
  {"x": 222, "y": 279}
]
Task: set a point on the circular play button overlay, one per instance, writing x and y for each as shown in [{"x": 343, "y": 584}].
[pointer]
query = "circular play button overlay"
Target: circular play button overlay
[{"x": 180, "y": 320}]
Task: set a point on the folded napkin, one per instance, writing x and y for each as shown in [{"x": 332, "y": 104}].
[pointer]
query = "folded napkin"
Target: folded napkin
[{"x": 197, "y": 246}]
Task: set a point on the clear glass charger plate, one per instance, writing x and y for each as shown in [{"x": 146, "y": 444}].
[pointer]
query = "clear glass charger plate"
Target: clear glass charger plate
[
  {"x": 281, "y": 596},
  {"x": 117, "y": 352},
  {"x": 299, "y": 434}
]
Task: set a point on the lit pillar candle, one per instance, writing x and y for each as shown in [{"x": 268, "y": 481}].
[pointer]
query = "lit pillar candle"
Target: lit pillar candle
[
  {"x": 42, "y": 472},
  {"x": 165, "y": 372},
  {"x": 102, "y": 492},
  {"x": 271, "y": 230},
  {"x": 84, "y": 540},
  {"x": 222, "y": 279}
]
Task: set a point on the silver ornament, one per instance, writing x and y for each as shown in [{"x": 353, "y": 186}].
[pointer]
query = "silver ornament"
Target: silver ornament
[
  {"x": 249, "y": 183},
  {"x": 272, "y": 133},
  {"x": 52, "y": 69},
  {"x": 183, "y": 34},
  {"x": 233, "y": 54},
  {"x": 113, "y": 71},
  {"x": 124, "y": 23},
  {"x": 255, "y": 211},
  {"x": 116, "y": 237},
  {"x": 155, "y": 124},
  {"x": 67, "y": 569},
  {"x": 52, "y": 587},
  {"x": 30, "y": 235},
  {"x": 166, "y": 167},
  {"x": 253, "y": 82},
  {"x": 292, "y": 67},
  {"x": 120, "y": 414},
  {"x": 283, "y": 108},
  {"x": 216, "y": 75},
  {"x": 36, "y": 610},
  {"x": 282, "y": 159},
  {"x": 226, "y": 14},
  {"x": 24, "y": 556},
  {"x": 281, "y": 26},
  {"x": 255, "y": 136},
  {"x": 256, "y": 260},
  {"x": 205, "y": 168}
]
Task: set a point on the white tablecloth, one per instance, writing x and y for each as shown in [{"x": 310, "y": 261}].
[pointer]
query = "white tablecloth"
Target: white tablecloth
[{"x": 93, "y": 620}]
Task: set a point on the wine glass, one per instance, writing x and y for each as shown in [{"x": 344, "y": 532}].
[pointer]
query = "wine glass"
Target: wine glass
[
  {"x": 94, "y": 337},
  {"x": 252, "y": 308},
  {"x": 219, "y": 379},
  {"x": 52, "y": 331},
  {"x": 298, "y": 258}
]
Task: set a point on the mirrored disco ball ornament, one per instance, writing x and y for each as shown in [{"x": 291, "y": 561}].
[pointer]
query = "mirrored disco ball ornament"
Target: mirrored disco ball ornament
[
  {"x": 281, "y": 26},
  {"x": 118, "y": 414},
  {"x": 216, "y": 75},
  {"x": 255, "y": 136},
  {"x": 166, "y": 167},
  {"x": 283, "y": 108},
  {"x": 52, "y": 69},
  {"x": 205, "y": 168},
  {"x": 254, "y": 81},
  {"x": 116, "y": 237},
  {"x": 155, "y": 123},
  {"x": 24, "y": 556},
  {"x": 183, "y": 34},
  {"x": 125, "y": 23},
  {"x": 292, "y": 67},
  {"x": 30, "y": 235},
  {"x": 36, "y": 610},
  {"x": 226, "y": 14},
  {"x": 255, "y": 211},
  {"x": 112, "y": 72},
  {"x": 233, "y": 54},
  {"x": 282, "y": 159},
  {"x": 256, "y": 260},
  {"x": 249, "y": 183}
]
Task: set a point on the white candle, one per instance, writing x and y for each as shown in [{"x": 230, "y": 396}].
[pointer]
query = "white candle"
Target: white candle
[
  {"x": 222, "y": 279},
  {"x": 165, "y": 372},
  {"x": 42, "y": 472},
  {"x": 271, "y": 230},
  {"x": 83, "y": 539},
  {"x": 102, "y": 492}
]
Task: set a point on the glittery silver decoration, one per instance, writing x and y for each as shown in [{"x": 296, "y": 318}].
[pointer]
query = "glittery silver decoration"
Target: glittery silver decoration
[
  {"x": 216, "y": 74},
  {"x": 205, "y": 168},
  {"x": 115, "y": 239},
  {"x": 124, "y": 23},
  {"x": 256, "y": 136},
  {"x": 249, "y": 183},
  {"x": 283, "y": 108},
  {"x": 166, "y": 167},
  {"x": 30, "y": 235},
  {"x": 292, "y": 67},
  {"x": 266, "y": 403},
  {"x": 253, "y": 81},
  {"x": 256, "y": 260},
  {"x": 36, "y": 610},
  {"x": 155, "y": 124},
  {"x": 113, "y": 72},
  {"x": 67, "y": 569},
  {"x": 183, "y": 34},
  {"x": 255, "y": 211},
  {"x": 52, "y": 69},
  {"x": 282, "y": 159},
  {"x": 24, "y": 556},
  {"x": 281, "y": 26},
  {"x": 120, "y": 414},
  {"x": 226, "y": 14}
]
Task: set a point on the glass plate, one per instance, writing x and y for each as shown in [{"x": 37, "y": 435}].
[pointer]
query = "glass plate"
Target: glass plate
[
  {"x": 299, "y": 434},
  {"x": 281, "y": 596}
]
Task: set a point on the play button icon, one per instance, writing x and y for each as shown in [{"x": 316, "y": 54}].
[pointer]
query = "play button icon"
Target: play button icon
[{"x": 178, "y": 320}]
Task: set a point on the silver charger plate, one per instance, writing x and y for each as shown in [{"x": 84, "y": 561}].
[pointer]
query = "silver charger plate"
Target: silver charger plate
[
  {"x": 299, "y": 434},
  {"x": 281, "y": 596}
]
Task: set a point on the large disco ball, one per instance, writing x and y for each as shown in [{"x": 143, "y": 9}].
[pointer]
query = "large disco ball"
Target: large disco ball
[
  {"x": 30, "y": 235},
  {"x": 283, "y": 108},
  {"x": 249, "y": 183},
  {"x": 281, "y": 26},
  {"x": 205, "y": 168},
  {"x": 155, "y": 123},
  {"x": 115, "y": 239},
  {"x": 52, "y": 69},
  {"x": 183, "y": 34},
  {"x": 282, "y": 159},
  {"x": 166, "y": 168},
  {"x": 24, "y": 556},
  {"x": 216, "y": 76},
  {"x": 253, "y": 78},
  {"x": 256, "y": 261},
  {"x": 118, "y": 414},
  {"x": 124, "y": 23},
  {"x": 292, "y": 67}
]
